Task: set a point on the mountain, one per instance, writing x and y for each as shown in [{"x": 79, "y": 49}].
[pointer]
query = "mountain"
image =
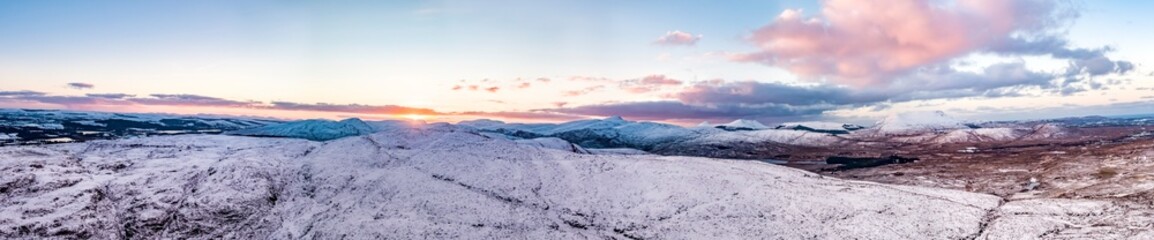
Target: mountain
[
  {"x": 315, "y": 129},
  {"x": 553, "y": 143},
  {"x": 907, "y": 123},
  {"x": 612, "y": 132},
  {"x": 820, "y": 127},
  {"x": 32, "y": 126},
  {"x": 742, "y": 125},
  {"x": 447, "y": 182}
]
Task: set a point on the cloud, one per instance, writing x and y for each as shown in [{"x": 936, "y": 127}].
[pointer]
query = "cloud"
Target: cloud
[
  {"x": 535, "y": 115},
  {"x": 456, "y": 87},
  {"x": 1090, "y": 61},
  {"x": 73, "y": 100},
  {"x": 862, "y": 43},
  {"x": 351, "y": 108},
  {"x": 939, "y": 82},
  {"x": 659, "y": 80},
  {"x": 749, "y": 92},
  {"x": 492, "y": 89},
  {"x": 190, "y": 100},
  {"x": 648, "y": 84},
  {"x": 589, "y": 79},
  {"x": 677, "y": 38},
  {"x": 582, "y": 91},
  {"x": 79, "y": 85},
  {"x": 674, "y": 110},
  {"x": 938, "y": 78},
  {"x": 20, "y": 93},
  {"x": 110, "y": 95}
]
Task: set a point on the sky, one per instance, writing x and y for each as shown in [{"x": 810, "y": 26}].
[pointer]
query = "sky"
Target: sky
[{"x": 680, "y": 62}]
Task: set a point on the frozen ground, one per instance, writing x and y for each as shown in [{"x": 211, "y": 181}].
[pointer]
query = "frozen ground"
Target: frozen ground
[{"x": 448, "y": 183}]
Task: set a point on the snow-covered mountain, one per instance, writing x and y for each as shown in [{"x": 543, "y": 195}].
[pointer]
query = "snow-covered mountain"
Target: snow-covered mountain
[
  {"x": 907, "y": 123},
  {"x": 32, "y": 126},
  {"x": 612, "y": 132},
  {"x": 314, "y": 129},
  {"x": 553, "y": 143},
  {"x": 446, "y": 182},
  {"x": 821, "y": 127},
  {"x": 742, "y": 125}
]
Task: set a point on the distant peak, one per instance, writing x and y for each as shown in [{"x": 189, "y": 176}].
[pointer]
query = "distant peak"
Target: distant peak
[
  {"x": 615, "y": 118},
  {"x": 745, "y": 123}
]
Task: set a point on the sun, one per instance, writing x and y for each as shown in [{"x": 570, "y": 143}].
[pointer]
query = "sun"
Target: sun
[{"x": 415, "y": 117}]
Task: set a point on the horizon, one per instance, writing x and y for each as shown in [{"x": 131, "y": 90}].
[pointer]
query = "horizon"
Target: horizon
[
  {"x": 553, "y": 61},
  {"x": 864, "y": 122}
]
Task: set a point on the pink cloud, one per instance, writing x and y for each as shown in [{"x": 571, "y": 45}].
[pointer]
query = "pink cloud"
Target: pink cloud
[
  {"x": 583, "y": 91},
  {"x": 675, "y": 38},
  {"x": 659, "y": 80},
  {"x": 863, "y": 42},
  {"x": 492, "y": 89},
  {"x": 649, "y": 83}
]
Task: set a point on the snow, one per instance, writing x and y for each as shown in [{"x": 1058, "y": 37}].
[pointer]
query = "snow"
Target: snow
[
  {"x": 482, "y": 123},
  {"x": 89, "y": 123},
  {"x": 444, "y": 182},
  {"x": 916, "y": 123},
  {"x": 8, "y": 136},
  {"x": 744, "y": 124},
  {"x": 978, "y": 135},
  {"x": 800, "y": 138},
  {"x": 815, "y": 125},
  {"x": 386, "y": 125},
  {"x": 315, "y": 129},
  {"x": 552, "y": 143},
  {"x": 616, "y": 151},
  {"x": 54, "y": 126},
  {"x": 609, "y": 122},
  {"x": 612, "y": 132}
]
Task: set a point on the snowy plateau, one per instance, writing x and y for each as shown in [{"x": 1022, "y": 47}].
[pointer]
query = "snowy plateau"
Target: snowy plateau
[
  {"x": 589, "y": 179},
  {"x": 444, "y": 183}
]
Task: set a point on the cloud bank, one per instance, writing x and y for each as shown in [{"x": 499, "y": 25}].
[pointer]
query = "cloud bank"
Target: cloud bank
[{"x": 862, "y": 43}]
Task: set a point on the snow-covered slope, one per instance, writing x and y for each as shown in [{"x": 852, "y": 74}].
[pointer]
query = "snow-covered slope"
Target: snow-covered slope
[
  {"x": 822, "y": 127},
  {"x": 612, "y": 132},
  {"x": 54, "y": 119},
  {"x": 743, "y": 124},
  {"x": 315, "y": 129},
  {"x": 791, "y": 137},
  {"x": 908, "y": 123},
  {"x": 443, "y": 183},
  {"x": 553, "y": 143}
]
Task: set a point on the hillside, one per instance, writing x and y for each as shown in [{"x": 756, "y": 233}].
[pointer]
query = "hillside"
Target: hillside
[{"x": 447, "y": 183}]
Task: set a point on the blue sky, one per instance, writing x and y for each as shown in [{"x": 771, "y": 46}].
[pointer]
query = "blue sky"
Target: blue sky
[{"x": 427, "y": 54}]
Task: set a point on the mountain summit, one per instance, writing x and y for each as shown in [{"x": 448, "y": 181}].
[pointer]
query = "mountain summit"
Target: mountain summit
[{"x": 918, "y": 122}]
